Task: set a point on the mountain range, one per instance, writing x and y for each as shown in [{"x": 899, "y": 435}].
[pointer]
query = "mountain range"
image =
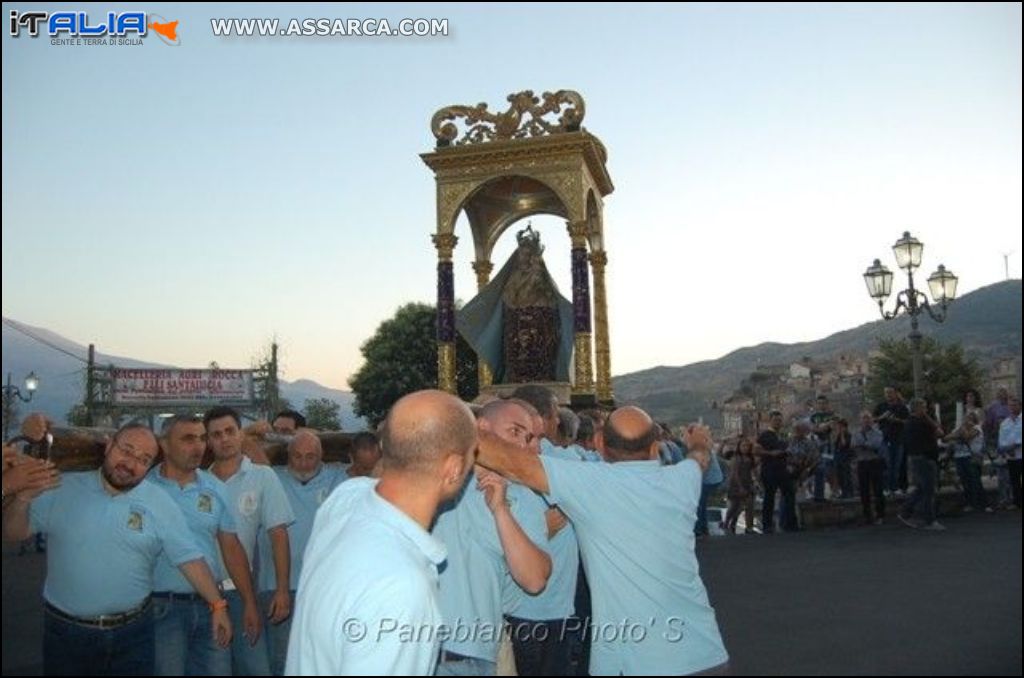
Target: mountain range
[{"x": 986, "y": 321}]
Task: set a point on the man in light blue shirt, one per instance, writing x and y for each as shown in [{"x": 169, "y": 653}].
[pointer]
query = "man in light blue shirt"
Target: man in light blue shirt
[
  {"x": 259, "y": 503},
  {"x": 490, "y": 531},
  {"x": 544, "y": 636},
  {"x": 185, "y": 645},
  {"x": 540, "y": 624},
  {"x": 368, "y": 593},
  {"x": 651, "y": 611},
  {"x": 106, "y": 531},
  {"x": 307, "y": 483},
  {"x": 868, "y": 444}
]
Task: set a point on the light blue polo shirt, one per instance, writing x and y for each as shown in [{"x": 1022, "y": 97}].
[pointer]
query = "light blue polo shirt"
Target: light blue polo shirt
[
  {"x": 634, "y": 521},
  {"x": 102, "y": 549},
  {"x": 473, "y": 577},
  {"x": 574, "y": 450},
  {"x": 557, "y": 600},
  {"x": 367, "y": 602},
  {"x": 205, "y": 507},
  {"x": 305, "y": 499},
  {"x": 258, "y": 500}
]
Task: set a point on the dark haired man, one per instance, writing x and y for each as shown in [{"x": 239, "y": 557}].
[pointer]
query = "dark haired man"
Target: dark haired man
[
  {"x": 287, "y": 422},
  {"x": 259, "y": 503}
]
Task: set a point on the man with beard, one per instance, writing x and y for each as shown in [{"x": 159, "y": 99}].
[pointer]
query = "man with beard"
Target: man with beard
[
  {"x": 106, "y": 532},
  {"x": 307, "y": 482}
]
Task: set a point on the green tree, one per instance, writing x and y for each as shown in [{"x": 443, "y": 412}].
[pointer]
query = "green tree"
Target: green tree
[
  {"x": 401, "y": 357},
  {"x": 322, "y": 414},
  {"x": 946, "y": 373}
]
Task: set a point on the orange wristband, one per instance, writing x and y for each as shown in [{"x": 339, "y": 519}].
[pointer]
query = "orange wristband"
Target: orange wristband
[{"x": 219, "y": 604}]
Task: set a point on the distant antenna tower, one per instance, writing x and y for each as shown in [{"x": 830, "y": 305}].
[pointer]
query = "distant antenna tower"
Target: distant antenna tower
[{"x": 1006, "y": 263}]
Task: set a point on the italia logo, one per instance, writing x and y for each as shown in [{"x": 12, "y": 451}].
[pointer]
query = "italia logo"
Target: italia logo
[{"x": 80, "y": 25}]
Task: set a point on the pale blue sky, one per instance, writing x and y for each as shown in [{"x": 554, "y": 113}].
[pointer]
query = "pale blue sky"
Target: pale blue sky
[{"x": 186, "y": 204}]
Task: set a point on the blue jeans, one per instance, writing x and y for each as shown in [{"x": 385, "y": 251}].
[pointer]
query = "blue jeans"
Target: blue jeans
[
  {"x": 277, "y": 634},
  {"x": 700, "y": 527},
  {"x": 893, "y": 461},
  {"x": 778, "y": 479},
  {"x": 970, "y": 478},
  {"x": 185, "y": 644},
  {"x": 822, "y": 472},
  {"x": 71, "y": 649},
  {"x": 246, "y": 659},
  {"x": 922, "y": 499}
]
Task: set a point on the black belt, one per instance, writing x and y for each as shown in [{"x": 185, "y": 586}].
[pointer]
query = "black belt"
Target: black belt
[
  {"x": 173, "y": 595},
  {"x": 103, "y": 621},
  {"x": 449, "y": 656}
]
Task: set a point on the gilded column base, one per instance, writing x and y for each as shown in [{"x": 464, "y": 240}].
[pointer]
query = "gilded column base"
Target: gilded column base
[
  {"x": 446, "y": 367},
  {"x": 584, "y": 364},
  {"x": 484, "y": 374}
]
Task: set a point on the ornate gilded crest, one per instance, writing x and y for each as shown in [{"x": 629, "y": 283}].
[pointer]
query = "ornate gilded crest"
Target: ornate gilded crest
[{"x": 524, "y": 118}]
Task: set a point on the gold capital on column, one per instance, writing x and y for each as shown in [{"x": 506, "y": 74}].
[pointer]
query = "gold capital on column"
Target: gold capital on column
[
  {"x": 602, "y": 347},
  {"x": 445, "y": 244},
  {"x": 578, "y": 232},
  {"x": 446, "y": 367},
  {"x": 583, "y": 359},
  {"x": 483, "y": 273}
]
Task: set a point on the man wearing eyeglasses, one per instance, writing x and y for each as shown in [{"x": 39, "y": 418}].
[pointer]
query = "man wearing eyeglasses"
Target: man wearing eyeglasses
[{"x": 106, "y": 531}]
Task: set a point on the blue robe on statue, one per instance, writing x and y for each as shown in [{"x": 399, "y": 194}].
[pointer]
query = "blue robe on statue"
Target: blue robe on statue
[{"x": 481, "y": 323}]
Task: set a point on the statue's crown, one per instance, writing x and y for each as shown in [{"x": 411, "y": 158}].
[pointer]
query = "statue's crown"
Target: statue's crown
[{"x": 528, "y": 236}]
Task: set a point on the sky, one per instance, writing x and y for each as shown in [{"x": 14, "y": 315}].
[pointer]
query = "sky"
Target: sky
[{"x": 191, "y": 203}]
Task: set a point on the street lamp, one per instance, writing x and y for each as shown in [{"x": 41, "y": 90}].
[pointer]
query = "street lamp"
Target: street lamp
[
  {"x": 11, "y": 392},
  {"x": 911, "y": 301}
]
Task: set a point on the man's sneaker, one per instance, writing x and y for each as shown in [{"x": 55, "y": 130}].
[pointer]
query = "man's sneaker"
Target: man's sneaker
[
  {"x": 989, "y": 509},
  {"x": 934, "y": 526},
  {"x": 907, "y": 521},
  {"x": 879, "y": 521}
]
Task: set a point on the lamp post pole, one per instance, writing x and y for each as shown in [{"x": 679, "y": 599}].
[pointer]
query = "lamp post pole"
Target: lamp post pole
[
  {"x": 10, "y": 393},
  {"x": 912, "y": 301}
]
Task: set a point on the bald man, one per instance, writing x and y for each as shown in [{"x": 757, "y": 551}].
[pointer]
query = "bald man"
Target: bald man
[
  {"x": 367, "y": 601},
  {"x": 493, "y": 532},
  {"x": 651, "y": 611},
  {"x": 307, "y": 483}
]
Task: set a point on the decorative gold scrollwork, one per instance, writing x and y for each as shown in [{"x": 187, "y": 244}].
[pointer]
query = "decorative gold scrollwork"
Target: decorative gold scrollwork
[{"x": 524, "y": 118}]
